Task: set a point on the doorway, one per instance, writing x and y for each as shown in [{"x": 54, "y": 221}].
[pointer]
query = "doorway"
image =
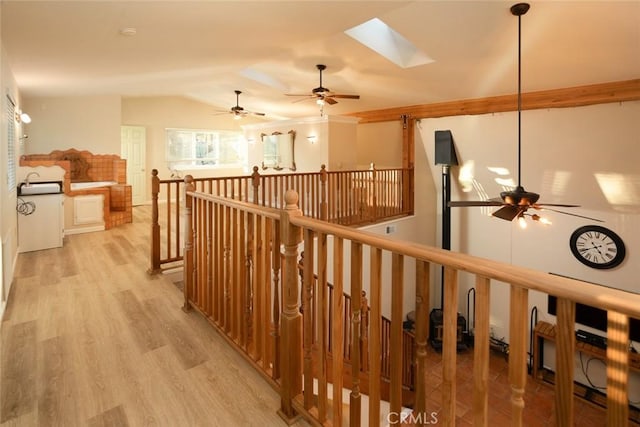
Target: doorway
[{"x": 133, "y": 142}]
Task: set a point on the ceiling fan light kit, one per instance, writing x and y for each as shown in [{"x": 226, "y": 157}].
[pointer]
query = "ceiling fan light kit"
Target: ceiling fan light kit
[
  {"x": 515, "y": 203},
  {"x": 239, "y": 112},
  {"x": 323, "y": 95}
]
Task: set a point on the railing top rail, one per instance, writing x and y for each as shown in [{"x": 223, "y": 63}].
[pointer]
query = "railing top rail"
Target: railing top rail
[
  {"x": 247, "y": 207},
  {"x": 586, "y": 293}
]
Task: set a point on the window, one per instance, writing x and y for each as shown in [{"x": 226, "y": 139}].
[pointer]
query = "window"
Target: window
[
  {"x": 11, "y": 144},
  {"x": 188, "y": 148}
]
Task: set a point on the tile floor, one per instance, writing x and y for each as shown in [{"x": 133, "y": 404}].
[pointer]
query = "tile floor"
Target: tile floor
[{"x": 539, "y": 396}]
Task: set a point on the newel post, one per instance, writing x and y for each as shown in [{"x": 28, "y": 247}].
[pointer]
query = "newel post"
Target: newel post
[
  {"x": 154, "y": 268},
  {"x": 189, "y": 268},
  {"x": 255, "y": 182},
  {"x": 291, "y": 324}
]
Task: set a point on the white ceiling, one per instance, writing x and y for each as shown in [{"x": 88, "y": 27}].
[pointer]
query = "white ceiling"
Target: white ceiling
[{"x": 202, "y": 49}]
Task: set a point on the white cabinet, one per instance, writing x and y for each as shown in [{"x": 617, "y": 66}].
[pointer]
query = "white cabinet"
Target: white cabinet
[
  {"x": 40, "y": 222},
  {"x": 88, "y": 209}
]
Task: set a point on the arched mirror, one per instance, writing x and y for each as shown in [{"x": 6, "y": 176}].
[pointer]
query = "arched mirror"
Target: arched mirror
[{"x": 277, "y": 150}]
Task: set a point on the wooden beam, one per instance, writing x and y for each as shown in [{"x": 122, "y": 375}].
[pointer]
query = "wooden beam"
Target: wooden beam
[{"x": 602, "y": 93}]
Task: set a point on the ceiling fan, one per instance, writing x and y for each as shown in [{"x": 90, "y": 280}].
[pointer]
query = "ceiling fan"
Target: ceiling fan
[
  {"x": 322, "y": 94},
  {"x": 515, "y": 203},
  {"x": 239, "y": 112}
]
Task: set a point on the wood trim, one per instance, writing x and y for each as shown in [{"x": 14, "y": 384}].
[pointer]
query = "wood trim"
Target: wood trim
[{"x": 577, "y": 96}]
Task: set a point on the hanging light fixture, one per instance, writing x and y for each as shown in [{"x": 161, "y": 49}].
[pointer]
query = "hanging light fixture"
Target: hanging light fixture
[{"x": 518, "y": 10}]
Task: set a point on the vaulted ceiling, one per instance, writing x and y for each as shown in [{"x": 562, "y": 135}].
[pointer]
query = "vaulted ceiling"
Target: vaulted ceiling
[{"x": 207, "y": 49}]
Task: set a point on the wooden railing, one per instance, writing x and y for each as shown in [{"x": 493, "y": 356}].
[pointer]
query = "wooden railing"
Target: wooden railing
[
  {"x": 408, "y": 338},
  {"x": 233, "y": 277},
  {"x": 345, "y": 197}
]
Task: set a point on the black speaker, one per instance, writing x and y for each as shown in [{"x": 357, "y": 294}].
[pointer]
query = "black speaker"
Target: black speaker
[{"x": 445, "y": 150}]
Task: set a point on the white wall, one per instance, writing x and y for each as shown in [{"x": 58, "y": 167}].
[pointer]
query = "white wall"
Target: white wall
[
  {"x": 8, "y": 217},
  {"x": 335, "y": 145},
  {"x": 157, "y": 114},
  {"x": 564, "y": 152},
  {"x": 89, "y": 123},
  {"x": 381, "y": 144}
]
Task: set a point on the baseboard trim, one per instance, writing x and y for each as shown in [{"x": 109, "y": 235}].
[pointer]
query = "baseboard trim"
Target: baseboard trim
[{"x": 81, "y": 230}]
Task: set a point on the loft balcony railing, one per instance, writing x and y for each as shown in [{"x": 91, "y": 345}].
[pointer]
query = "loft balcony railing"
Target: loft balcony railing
[
  {"x": 334, "y": 303},
  {"x": 241, "y": 273},
  {"x": 343, "y": 197}
]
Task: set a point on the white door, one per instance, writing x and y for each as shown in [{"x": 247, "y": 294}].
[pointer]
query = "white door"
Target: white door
[{"x": 133, "y": 146}]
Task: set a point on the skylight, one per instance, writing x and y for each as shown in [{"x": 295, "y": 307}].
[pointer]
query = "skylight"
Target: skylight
[{"x": 385, "y": 41}]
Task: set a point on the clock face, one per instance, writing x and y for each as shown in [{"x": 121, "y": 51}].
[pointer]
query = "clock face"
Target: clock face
[{"x": 597, "y": 247}]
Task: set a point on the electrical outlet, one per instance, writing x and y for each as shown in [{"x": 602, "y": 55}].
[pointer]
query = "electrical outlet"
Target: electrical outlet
[{"x": 391, "y": 229}]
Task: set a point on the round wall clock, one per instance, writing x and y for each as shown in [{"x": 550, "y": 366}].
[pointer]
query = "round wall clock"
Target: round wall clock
[{"x": 597, "y": 247}]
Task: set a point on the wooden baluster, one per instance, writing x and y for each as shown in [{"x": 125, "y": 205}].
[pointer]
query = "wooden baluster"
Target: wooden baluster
[
  {"x": 199, "y": 243},
  {"x": 337, "y": 340},
  {"x": 375, "y": 334},
  {"x": 227, "y": 271},
  {"x": 219, "y": 265},
  {"x": 189, "y": 270},
  {"x": 374, "y": 202},
  {"x": 177, "y": 217},
  {"x": 481, "y": 352},
  {"x": 169, "y": 223},
  {"x": 518, "y": 351},
  {"x": 617, "y": 369},
  {"x": 322, "y": 320},
  {"x": 209, "y": 258},
  {"x": 422, "y": 332},
  {"x": 154, "y": 256},
  {"x": 275, "y": 330},
  {"x": 397, "y": 280},
  {"x": 355, "y": 401},
  {"x": 364, "y": 333},
  {"x": 242, "y": 278},
  {"x": 256, "y": 285},
  {"x": 449, "y": 346},
  {"x": 249, "y": 277},
  {"x": 263, "y": 293},
  {"x": 565, "y": 354},
  {"x": 234, "y": 276},
  {"x": 307, "y": 289},
  {"x": 291, "y": 336}
]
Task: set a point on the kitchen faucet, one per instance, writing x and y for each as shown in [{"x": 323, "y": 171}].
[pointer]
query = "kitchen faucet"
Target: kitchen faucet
[{"x": 26, "y": 180}]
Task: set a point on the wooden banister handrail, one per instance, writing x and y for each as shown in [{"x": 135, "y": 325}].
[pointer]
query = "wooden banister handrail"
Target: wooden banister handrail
[{"x": 222, "y": 233}]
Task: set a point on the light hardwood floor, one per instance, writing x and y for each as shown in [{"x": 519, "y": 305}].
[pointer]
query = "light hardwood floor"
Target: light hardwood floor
[{"x": 88, "y": 338}]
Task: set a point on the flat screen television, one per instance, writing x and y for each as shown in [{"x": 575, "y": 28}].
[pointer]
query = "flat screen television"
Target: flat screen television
[{"x": 594, "y": 317}]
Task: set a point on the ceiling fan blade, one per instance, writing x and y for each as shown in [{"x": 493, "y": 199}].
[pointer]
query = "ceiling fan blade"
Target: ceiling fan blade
[
  {"x": 508, "y": 212},
  {"x": 346, "y": 96},
  {"x": 535, "y": 206},
  {"x": 472, "y": 203},
  {"x": 299, "y": 94},
  {"x": 330, "y": 100},
  {"x": 306, "y": 98},
  {"x": 572, "y": 214},
  {"x": 257, "y": 114}
]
